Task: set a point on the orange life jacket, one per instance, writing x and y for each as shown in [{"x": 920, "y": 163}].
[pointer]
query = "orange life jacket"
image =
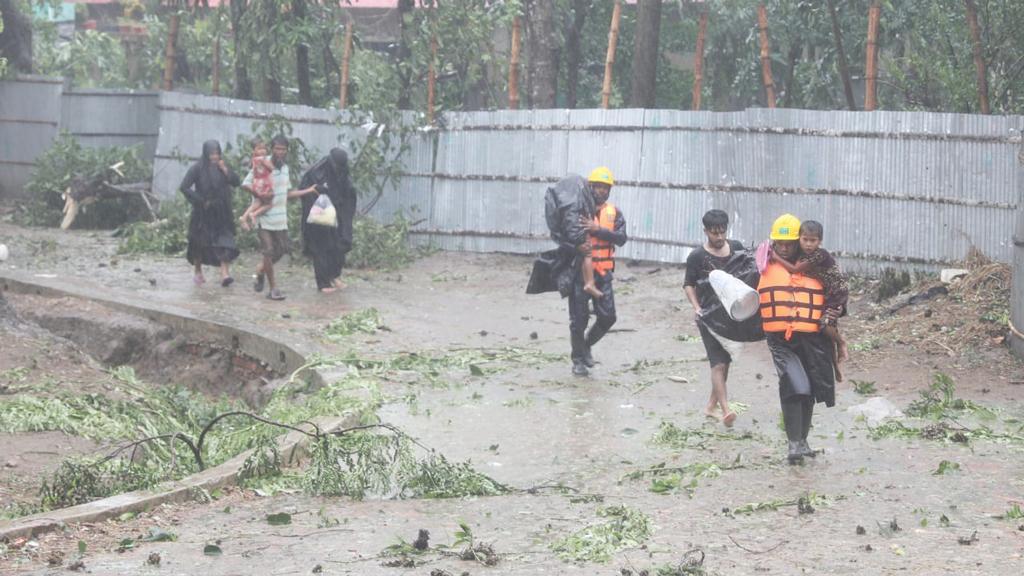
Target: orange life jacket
[
  {"x": 790, "y": 302},
  {"x": 602, "y": 252}
]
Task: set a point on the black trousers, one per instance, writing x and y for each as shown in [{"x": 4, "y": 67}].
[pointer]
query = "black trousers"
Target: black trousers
[
  {"x": 579, "y": 314},
  {"x": 806, "y": 376}
]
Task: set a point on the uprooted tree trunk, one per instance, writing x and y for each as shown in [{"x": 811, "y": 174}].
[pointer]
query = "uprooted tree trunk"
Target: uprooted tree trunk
[{"x": 88, "y": 190}]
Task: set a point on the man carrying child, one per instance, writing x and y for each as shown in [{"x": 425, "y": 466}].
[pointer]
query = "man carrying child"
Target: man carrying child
[
  {"x": 587, "y": 228},
  {"x": 272, "y": 224}
]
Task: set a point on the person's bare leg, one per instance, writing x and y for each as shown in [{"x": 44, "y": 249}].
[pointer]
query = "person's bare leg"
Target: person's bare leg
[
  {"x": 267, "y": 268},
  {"x": 225, "y": 274},
  {"x": 710, "y": 409},
  {"x": 719, "y": 377},
  {"x": 588, "y": 278},
  {"x": 844, "y": 351},
  {"x": 198, "y": 277},
  {"x": 838, "y": 346}
]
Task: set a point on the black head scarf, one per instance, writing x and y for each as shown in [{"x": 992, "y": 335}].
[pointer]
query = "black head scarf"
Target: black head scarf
[
  {"x": 339, "y": 184},
  {"x": 210, "y": 176},
  {"x": 339, "y": 163}
]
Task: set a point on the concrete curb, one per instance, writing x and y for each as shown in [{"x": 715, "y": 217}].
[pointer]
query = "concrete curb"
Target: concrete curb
[
  {"x": 182, "y": 490},
  {"x": 283, "y": 358},
  {"x": 280, "y": 357}
]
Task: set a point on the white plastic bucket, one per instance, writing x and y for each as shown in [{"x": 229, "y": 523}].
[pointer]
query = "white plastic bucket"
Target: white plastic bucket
[{"x": 740, "y": 301}]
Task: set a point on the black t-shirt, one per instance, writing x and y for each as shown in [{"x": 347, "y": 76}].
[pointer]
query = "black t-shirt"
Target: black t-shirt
[{"x": 700, "y": 263}]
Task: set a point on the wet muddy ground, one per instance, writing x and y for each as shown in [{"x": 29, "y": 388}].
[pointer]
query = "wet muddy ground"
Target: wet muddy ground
[{"x": 536, "y": 426}]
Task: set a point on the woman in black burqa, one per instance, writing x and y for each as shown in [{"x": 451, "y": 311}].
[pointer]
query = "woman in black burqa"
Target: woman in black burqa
[
  {"x": 327, "y": 245},
  {"x": 211, "y": 229}
]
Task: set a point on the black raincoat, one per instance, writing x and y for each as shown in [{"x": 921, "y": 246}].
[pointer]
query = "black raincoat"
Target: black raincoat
[
  {"x": 804, "y": 366},
  {"x": 211, "y": 228},
  {"x": 564, "y": 205},
  {"x": 327, "y": 246},
  {"x": 742, "y": 265}
]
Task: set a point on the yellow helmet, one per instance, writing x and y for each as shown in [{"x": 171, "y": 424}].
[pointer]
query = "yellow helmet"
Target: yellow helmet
[
  {"x": 602, "y": 175},
  {"x": 786, "y": 227}
]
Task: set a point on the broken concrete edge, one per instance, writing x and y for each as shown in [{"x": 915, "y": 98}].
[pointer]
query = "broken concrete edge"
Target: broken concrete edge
[
  {"x": 282, "y": 358},
  {"x": 183, "y": 490}
]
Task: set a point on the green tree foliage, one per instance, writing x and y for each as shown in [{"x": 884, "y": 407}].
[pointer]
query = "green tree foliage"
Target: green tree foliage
[{"x": 926, "y": 60}]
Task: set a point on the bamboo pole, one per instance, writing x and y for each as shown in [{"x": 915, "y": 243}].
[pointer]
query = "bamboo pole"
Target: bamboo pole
[
  {"x": 609, "y": 59},
  {"x": 979, "y": 57},
  {"x": 431, "y": 80},
  {"x": 346, "y": 57},
  {"x": 698, "y": 68},
  {"x": 871, "y": 85},
  {"x": 216, "y": 65},
  {"x": 513, "y": 67},
  {"x": 766, "y": 61},
  {"x": 169, "y": 55}
]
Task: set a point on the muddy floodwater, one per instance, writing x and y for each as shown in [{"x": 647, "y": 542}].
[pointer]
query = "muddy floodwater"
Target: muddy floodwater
[{"x": 867, "y": 504}]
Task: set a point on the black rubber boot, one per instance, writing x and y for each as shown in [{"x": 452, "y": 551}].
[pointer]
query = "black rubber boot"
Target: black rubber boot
[
  {"x": 588, "y": 358},
  {"x": 579, "y": 346},
  {"x": 796, "y": 453},
  {"x": 792, "y": 415},
  {"x": 579, "y": 369},
  {"x": 807, "y": 414}
]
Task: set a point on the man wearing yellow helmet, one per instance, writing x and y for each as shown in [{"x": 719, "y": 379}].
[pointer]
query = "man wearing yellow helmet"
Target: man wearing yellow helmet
[
  {"x": 792, "y": 306},
  {"x": 603, "y": 229},
  {"x": 583, "y": 223}
]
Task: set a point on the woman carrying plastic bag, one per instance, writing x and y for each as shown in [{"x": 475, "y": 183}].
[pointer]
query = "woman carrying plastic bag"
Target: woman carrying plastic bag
[{"x": 327, "y": 218}]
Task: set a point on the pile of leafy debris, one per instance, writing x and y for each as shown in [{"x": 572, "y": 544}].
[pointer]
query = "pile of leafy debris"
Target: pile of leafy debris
[
  {"x": 958, "y": 320},
  {"x": 622, "y": 528}
]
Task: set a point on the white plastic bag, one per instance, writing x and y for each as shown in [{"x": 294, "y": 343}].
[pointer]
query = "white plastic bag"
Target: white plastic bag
[
  {"x": 323, "y": 213},
  {"x": 739, "y": 300}
]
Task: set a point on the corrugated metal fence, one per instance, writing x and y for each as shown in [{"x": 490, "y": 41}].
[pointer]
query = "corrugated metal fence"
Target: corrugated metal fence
[
  {"x": 892, "y": 188},
  {"x": 1017, "y": 294},
  {"x": 34, "y": 109},
  {"x": 188, "y": 120},
  {"x": 29, "y": 121}
]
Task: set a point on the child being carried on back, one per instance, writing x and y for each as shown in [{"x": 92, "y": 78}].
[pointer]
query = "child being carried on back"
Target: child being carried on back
[
  {"x": 262, "y": 185},
  {"x": 817, "y": 263}
]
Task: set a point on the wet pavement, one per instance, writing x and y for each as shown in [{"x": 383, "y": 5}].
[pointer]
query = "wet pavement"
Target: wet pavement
[{"x": 535, "y": 426}]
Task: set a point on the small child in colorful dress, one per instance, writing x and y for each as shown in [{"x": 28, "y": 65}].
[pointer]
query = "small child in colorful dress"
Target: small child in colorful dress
[{"x": 262, "y": 185}]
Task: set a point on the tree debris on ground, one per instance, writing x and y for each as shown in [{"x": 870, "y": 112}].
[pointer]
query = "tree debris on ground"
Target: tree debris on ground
[
  {"x": 69, "y": 177},
  {"x": 961, "y": 320},
  {"x": 623, "y": 528}
]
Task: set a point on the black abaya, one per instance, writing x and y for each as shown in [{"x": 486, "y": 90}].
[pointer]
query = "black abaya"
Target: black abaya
[
  {"x": 327, "y": 246},
  {"x": 211, "y": 229}
]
